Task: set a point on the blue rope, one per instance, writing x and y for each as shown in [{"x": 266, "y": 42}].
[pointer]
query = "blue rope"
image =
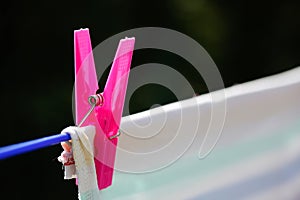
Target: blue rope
[{"x": 16, "y": 149}]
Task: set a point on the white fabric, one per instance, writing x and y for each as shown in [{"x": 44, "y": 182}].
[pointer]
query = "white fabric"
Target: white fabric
[
  {"x": 256, "y": 157},
  {"x": 67, "y": 159},
  {"x": 82, "y": 148}
]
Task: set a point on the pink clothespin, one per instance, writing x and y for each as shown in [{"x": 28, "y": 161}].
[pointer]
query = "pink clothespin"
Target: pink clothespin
[{"x": 108, "y": 105}]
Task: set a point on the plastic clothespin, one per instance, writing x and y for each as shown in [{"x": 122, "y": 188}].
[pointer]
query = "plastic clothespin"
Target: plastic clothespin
[{"x": 106, "y": 115}]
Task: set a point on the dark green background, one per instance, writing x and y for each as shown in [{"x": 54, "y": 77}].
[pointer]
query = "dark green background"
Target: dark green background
[{"x": 246, "y": 39}]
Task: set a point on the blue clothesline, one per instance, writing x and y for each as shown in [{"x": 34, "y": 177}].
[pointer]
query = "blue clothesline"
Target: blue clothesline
[{"x": 16, "y": 149}]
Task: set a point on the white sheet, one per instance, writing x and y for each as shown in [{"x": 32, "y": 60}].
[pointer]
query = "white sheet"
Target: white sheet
[{"x": 257, "y": 155}]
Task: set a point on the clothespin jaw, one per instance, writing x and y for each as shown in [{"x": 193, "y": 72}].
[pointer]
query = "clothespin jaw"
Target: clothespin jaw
[
  {"x": 106, "y": 117},
  {"x": 110, "y": 113}
]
